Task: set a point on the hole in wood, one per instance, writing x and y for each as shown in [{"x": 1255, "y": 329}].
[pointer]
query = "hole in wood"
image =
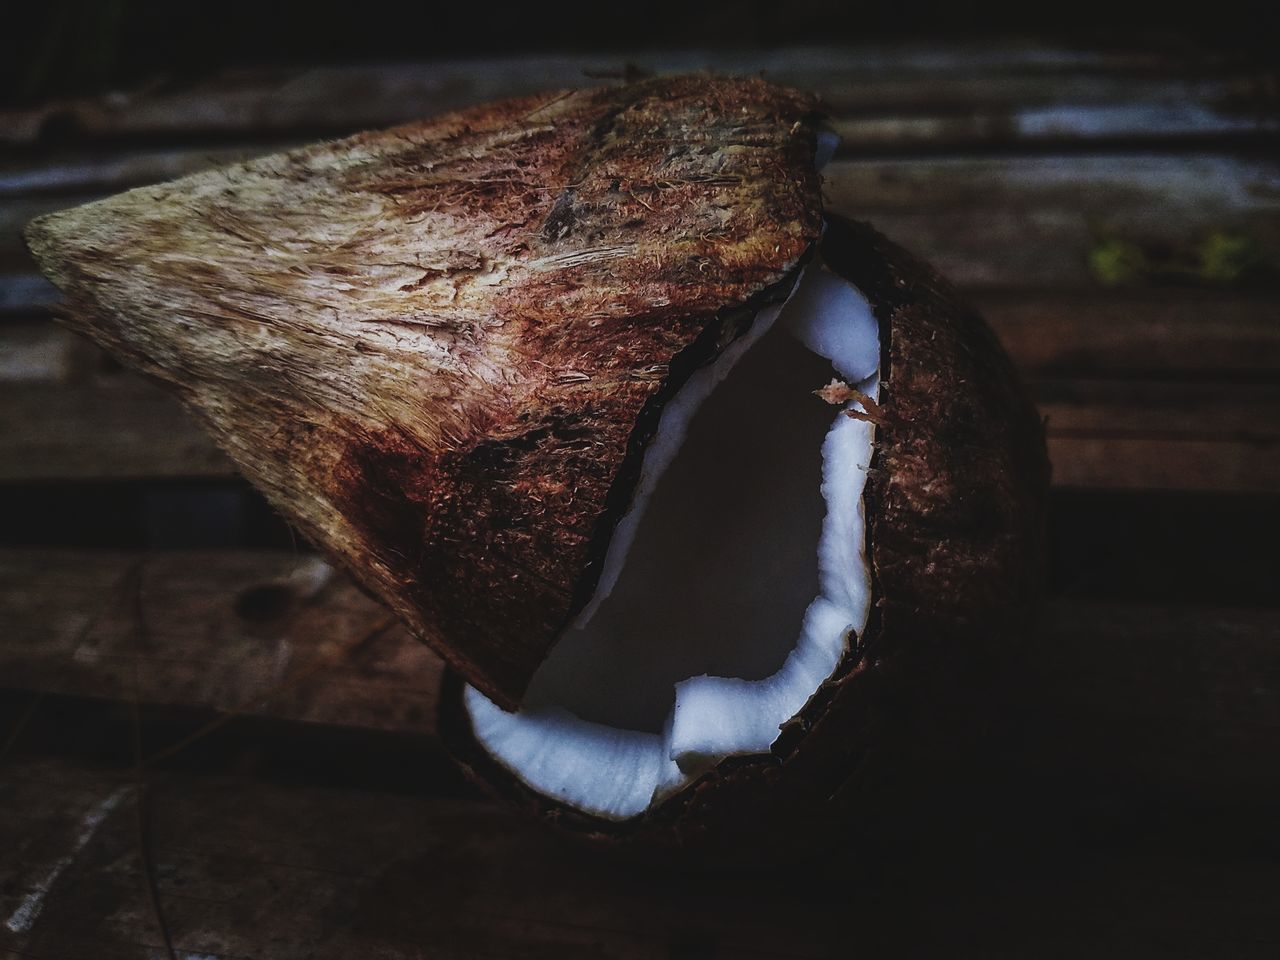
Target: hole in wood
[{"x": 265, "y": 602}]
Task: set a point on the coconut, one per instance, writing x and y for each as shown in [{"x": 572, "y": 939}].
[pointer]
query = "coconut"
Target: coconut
[
  {"x": 712, "y": 501},
  {"x": 840, "y": 706}
]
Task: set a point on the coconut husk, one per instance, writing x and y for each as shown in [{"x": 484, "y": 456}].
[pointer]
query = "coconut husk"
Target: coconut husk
[{"x": 441, "y": 349}]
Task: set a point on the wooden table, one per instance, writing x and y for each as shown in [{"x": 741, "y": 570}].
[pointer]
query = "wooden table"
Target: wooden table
[{"x": 1116, "y": 215}]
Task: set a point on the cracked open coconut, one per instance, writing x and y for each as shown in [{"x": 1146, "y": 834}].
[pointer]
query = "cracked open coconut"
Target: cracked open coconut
[{"x": 721, "y": 507}]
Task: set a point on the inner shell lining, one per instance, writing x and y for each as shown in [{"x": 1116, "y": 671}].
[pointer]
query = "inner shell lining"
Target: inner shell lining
[{"x": 644, "y": 691}]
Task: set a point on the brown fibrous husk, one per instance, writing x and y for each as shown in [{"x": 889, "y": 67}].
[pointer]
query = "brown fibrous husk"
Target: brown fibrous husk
[{"x": 440, "y": 350}]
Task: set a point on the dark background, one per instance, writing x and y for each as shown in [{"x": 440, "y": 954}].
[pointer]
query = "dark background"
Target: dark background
[{"x": 75, "y": 46}]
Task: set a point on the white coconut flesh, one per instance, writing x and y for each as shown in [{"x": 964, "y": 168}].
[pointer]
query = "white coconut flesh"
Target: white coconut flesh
[{"x": 731, "y": 588}]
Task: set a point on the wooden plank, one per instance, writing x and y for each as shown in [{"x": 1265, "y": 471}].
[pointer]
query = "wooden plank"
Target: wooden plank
[
  {"x": 1017, "y": 222},
  {"x": 1205, "y": 431},
  {"x": 1203, "y": 436},
  {"x": 1190, "y": 184},
  {"x": 1109, "y": 462},
  {"x": 1202, "y": 409},
  {"x": 270, "y": 634},
  {"x": 83, "y": 171},
  {"x": 33, "y": 350},
  {"x": 1161, "y": 334},
  {"x": 1185, "y": 90},
  {"x": 246, "y": 869},
  {"x": 1058, "y": 126},
  {"x": 995, "y": 225},
  {"x": 1169, "y": 703},
  {"x": 1180, "y": 697},
  {"x": 1180, "y": 333},
  {"x": 1169, "y": 436},
  {"x": 126, "y": 430},
  {"x": 101, "y": 171},
  {"x": 22, "y": 294},
  {"x": 1027, "y": 222},
  {"x": 873, "y": 111}
]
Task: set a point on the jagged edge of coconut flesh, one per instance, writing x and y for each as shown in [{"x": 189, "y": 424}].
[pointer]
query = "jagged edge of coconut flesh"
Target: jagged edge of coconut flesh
[{"x": 618, "y": 773}]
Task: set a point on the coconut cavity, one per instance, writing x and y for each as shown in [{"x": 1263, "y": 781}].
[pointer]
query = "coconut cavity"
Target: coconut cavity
[{"x": 733, "y": 585}]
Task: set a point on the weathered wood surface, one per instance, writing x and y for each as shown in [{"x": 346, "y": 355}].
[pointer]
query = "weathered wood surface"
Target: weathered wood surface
[
  {"x": 1115, "y": 215},
  {"x": 1144, "y": 394},
  {"x": 999, "y": 221},
  {"x": 1120, "y": 335},
  {"x": 247, "y": 869},
  {"x": 24, "y": 293},
  {"x": 1214, "y": 436},
  {"x": 1134, "y": 718},
  {"x": 1030, "y": 238},
  {"x": 1169, "y": 696},
  {"x": 1140, "y": 93},
  {"x": 265, "y": 633},
  {"x": 124, "y": 430}
]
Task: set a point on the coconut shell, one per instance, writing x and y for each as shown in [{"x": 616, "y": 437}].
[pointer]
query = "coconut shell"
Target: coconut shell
[
  {"x": 955, "y": 505},
  {"x": 441, "y": 349}
]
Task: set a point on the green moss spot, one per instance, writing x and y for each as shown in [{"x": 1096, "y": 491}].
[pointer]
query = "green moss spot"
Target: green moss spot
[
  {"x": 1225, "y": 258},
  {"x": 1114, "y": 262}
]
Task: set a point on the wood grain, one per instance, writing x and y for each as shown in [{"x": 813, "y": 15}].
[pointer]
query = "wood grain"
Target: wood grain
[
  {"x": 123, "y": 430},
  {"x": 1155, "y": 92},
  {"x": 997, "y": 226},
  {"x": 269, "y": 634},
  {"x": 1118, "y": 434},
  {"x": 89, "y": 171},
  {"x": 276, "y": 872},
  {"x": 1183, "y": 333},
  {"x": 1177, "y": 698},
  {"x": 997, "y": 222},
  {"x": 1167, "y": 704},
  {"x": 1165, "y": 463},
  {"x": 1171, "y": 333},
  {"x": 24, "y": 293},
  {"x": 1135, "y": 812}
]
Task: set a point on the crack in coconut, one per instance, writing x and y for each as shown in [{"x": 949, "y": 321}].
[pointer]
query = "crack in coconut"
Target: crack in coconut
[{"x": 745, "y": 529}]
